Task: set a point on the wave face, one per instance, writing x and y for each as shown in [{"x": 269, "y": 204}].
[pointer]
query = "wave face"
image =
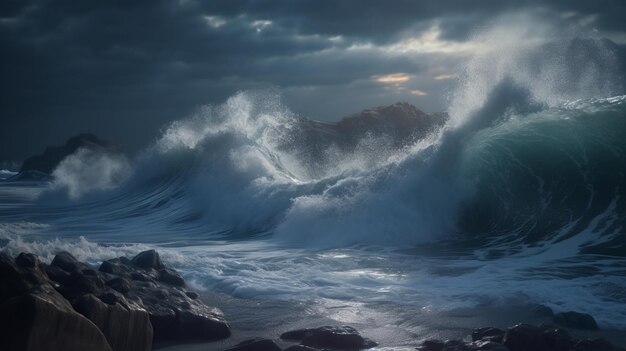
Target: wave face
[
  {"x": 551, "y": 175},
  {"x": 528, "y": 172},
  {"x": 524, "y": 158}
]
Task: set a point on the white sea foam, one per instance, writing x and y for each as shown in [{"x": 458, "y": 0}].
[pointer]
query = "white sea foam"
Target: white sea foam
[{"x": 89, "y": 170}]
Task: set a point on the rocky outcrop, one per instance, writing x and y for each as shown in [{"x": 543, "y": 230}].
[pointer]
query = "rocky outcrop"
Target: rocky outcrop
[
  {"x": 47, "y": 161},
  {"x": 34, "y": 316},
  {"x": 340, "y": 338},
  {"x": 123, "y": 306}
]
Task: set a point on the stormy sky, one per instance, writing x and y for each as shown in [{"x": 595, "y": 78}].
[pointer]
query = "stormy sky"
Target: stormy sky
[{"x": 123, "y": 69}]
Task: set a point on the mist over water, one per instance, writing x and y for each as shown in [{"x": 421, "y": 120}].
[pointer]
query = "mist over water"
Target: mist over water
[{"x": 520, "y": 195}]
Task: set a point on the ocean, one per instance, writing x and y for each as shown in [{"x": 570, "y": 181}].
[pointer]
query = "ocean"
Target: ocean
[{"x": 519, "y": 199}]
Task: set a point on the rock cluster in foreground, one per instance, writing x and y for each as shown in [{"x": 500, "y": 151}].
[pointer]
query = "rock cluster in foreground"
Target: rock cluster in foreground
[{"x": 124, "y": 305}]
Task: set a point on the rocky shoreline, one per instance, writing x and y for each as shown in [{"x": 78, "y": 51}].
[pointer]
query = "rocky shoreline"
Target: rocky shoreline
[{"x": 127, "y": 304}]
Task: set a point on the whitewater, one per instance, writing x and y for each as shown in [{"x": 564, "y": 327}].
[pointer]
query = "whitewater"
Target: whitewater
[{"x": 517, "y": 200}]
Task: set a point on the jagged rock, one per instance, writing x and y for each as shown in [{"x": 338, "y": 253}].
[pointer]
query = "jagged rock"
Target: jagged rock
[
  {"x": 431, "y": 345},
  {"x": 33, "y": 316},
  {"x": 576, "y": 320},
  {"x": 170, "y": 276},
  {"x": 53, "y": 155},
  {"x": 67, "y": 262},
  {"x": 148, "y": 260},
  {"x": 488, "y": 334},
  {"x": 523, "y": 337},
  {"x": 256, "y": 345},
  {"x": 117, "y": 266},
  {"x": 345, "y": 338}
]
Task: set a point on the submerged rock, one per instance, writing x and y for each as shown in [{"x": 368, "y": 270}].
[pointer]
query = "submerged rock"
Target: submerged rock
[
  {"x": 342, "y": 338},
  {"x": 576, "y": 320}
]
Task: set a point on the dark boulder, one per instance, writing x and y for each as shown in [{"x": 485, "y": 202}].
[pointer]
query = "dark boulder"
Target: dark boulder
[
  {"x": 68, "y": 263},
  {"x": 171, "y": 277},
  {"x": 256, "y": 345},
  {"x": 117, "y": 266},
  {"x": 343, "y": 338},
  {"x": 148, "y": 260},
  {"x": 523, "y": 337},
  {"x": 488, "y": 334},
  {"x": 576, "y": 320}
]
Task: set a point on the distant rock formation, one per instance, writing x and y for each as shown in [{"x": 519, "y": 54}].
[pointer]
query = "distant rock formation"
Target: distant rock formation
[
  {"x": 401, "y": 121},
  {"x": 53, "y": 155},
  {"x": 396, "y": 125}
]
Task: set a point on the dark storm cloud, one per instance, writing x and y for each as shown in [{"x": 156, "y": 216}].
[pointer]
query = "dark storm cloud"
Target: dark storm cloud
[
  {"x": 382, "y": 21},
  {"x": 124, "y": 68}
]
